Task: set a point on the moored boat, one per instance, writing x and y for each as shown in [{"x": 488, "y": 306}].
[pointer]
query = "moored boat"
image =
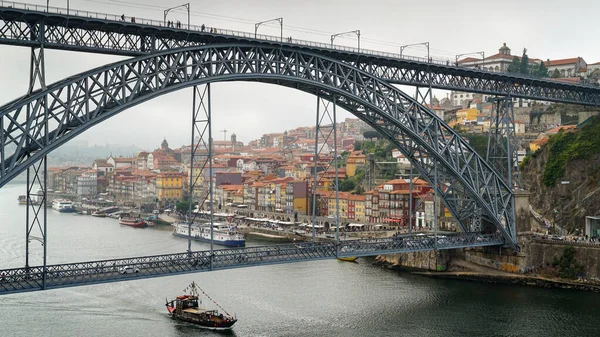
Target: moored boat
[
  {"x": 133, "y": 222},
  {"x": 22, "y": 200},
  {"x": 348, "y": 258},
  {"x": 99, "y": 214},
  {"x": 223, "y": 234},
  {"x": 186, "y": 308},
  {"x": 63, "y": 206}
]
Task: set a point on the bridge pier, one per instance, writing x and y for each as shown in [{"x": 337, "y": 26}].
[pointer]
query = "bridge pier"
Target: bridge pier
[
  {"x": 201, "y": 152},
  {"x": 36, "y": 195},
  {"x": 326, "y": 128}
]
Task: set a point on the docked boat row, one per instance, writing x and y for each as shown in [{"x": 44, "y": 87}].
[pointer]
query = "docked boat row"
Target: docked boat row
[{"x": 223, "y": 233}]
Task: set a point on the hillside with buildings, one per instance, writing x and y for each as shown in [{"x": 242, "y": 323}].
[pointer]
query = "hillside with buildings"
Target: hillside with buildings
[{"x": 276, "y": 171}]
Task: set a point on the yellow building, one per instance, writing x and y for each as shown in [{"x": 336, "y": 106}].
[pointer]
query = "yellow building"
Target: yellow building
[
  {"x": 198, "y": 181},
  {"x": 538, "y": 143},
  {"x": 356, "y": 202},
  {"x": 467, "y": 116},
  {"x": 169, "y": 187},
  {"x": 343, "y": 199},
  {"x": 356, "y": 158}
]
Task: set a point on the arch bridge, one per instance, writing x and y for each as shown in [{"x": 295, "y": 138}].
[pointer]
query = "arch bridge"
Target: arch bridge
[{"x": 361, "y": 82}]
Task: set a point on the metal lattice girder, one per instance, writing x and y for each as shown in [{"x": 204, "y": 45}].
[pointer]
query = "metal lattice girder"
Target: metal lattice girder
[
  {"x": 102, "y": 35},
  {"x": 103, "y": 271},
  {"x": 502, "y": 141},
  {"x": 84, "y": 100}
]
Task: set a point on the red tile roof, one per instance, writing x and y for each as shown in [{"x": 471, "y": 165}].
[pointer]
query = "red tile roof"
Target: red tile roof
[{"x": 561, "y": 62}]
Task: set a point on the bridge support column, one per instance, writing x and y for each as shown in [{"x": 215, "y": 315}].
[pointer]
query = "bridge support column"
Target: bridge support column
[
  {"x": 36, "y": 220},
  {"x": 502, "y": 141},
  {"x": 201, "y": 153},
  {"x": 326, "y": 129}
]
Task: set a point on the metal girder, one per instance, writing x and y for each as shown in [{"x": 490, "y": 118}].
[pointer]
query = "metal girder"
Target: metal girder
[
  {"x": 36, "y": 193},
  {"x": 502, "y": 141},
  {"x": 110, "y": 36},
  {"x": 103, "y": 271},
  {"x": 81, "y": 101},
  {"x": 201, "y": 156},
  {"x": 326, "y": 130}
]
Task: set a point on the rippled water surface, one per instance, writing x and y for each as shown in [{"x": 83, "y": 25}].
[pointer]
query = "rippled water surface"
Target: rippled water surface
[{"x": 321, "y": 298}]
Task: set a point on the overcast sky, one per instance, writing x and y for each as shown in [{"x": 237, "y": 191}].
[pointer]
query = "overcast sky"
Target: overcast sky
[{"x": 549, "y": 29}]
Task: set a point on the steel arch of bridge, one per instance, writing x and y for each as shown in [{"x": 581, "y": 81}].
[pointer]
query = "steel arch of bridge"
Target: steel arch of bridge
[{"x": 466, "y": 182}]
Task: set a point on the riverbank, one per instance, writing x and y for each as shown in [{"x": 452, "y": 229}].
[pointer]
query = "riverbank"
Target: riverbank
[
  {"x": 459, "y": 269},
  {"x": 524, "y": 280}
]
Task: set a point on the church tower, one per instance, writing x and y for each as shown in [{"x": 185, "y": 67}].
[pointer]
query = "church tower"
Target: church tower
[{"x": 233, "y": 141}]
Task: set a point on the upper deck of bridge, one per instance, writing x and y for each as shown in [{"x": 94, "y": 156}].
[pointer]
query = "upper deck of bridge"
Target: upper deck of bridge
[{"x": 385, "y": 62}]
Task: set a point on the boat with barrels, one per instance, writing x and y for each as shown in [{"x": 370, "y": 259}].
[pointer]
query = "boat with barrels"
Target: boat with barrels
[{"x": 186, "y": 308}]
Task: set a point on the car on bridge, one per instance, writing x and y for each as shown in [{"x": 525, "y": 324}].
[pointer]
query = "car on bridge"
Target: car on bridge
[{"x": 128, "y": 270}]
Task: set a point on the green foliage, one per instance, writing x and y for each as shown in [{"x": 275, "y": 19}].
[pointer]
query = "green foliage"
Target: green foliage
[
  {"x": 566, "y": 147},
  {"x": 541, "y": 70},
  {"x": 183, "y": 206},
  {"x": 346, "y": 185},
  {"x": 555, "y": 74},
  {"x": 479, "y": 142},
  {"x": 525, "y": 162},
  {"x": 514, "y": 66},
  {"x": 567, "y": 265},
  {"x": 371, "y": 134},
  {"x": 524, "y": 64}
]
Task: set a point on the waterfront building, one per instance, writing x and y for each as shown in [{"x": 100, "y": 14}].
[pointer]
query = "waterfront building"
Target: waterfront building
[
  {"x": 87, "y": 184},
  {"x": 354, "y": 160},
  {"x": 169, "y": 187}
]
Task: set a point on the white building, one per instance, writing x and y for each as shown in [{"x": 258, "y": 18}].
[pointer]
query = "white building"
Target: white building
[{"x": 87, "y": 183}]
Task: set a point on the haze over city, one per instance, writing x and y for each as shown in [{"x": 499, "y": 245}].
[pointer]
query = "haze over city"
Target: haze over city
[{"x": 251, "y": 109}]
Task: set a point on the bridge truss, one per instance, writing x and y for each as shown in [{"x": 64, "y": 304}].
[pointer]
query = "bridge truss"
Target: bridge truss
[
  {"x": 103, "y": 271},
  {"x": 106, "y": 34},
  {"x": 69, "y": 107}
]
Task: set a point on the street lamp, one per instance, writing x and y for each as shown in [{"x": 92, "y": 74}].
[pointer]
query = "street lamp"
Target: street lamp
[
  {"x": 357, "y": 32},
  {"x": 280, "y": 20},
  {"x": 426, "y": 44},
  {"x": 473, "y": 53},
  {"x": 166, "y": 11}
]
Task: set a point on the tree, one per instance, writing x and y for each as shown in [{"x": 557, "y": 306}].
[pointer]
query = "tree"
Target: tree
[
  {"x": 541, "y": 70},
  {"x": 567, "y": 265},
  {"x": 514, "y": 66},
  {"x": 346, "y": 185},
  {"x": 555, "y": 73},
  {"x": 371, "y": 134},
  {"x": 524, "y": 64},
  {"x": 183, "y": 206}
]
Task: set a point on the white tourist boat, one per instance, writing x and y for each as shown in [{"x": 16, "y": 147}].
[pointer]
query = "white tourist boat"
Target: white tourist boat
[
  {"x": 63, "y": 206},
  {"x": 223, "y": 234}
]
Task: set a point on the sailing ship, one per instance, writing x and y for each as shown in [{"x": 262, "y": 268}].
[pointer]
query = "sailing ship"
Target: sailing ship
[{"x": 186, "y": 308}]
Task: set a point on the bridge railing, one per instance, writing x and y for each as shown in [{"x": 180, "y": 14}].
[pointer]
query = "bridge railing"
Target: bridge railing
[
  {"x": 69, "y": 274},
  {"x": 214, "y": 30},
  {"x": 229, "y": 32}
]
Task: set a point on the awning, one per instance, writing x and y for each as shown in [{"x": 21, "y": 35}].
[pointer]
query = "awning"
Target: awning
[{"x": 355, "y": 225}]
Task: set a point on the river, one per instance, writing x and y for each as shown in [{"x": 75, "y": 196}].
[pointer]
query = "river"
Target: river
[{"x": 321, "y": 298}]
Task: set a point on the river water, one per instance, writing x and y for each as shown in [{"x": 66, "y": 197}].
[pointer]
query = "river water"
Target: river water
[{"x": 321, "y": 298}]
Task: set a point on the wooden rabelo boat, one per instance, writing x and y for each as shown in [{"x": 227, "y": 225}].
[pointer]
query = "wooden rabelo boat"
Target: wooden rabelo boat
[{"x": 186, "y": 308}]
